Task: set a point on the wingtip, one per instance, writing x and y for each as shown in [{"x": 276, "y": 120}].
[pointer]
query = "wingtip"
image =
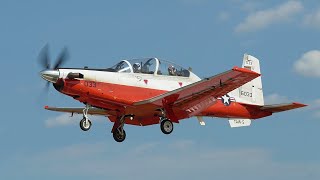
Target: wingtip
[
  {"x": 299, "y": 104},
  {"x": 46, "y": 107},
  {"x": 244, "y": 70}
]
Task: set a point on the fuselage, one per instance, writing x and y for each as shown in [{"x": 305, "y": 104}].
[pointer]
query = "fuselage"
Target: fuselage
[{"x": 111, "y": 90}]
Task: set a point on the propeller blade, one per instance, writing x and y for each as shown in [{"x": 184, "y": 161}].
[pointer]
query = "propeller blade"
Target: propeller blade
[
  {"x": 43, "y": 58},
  {"x": 47, "y": 86},
  {"x": 62, "y": 58}
]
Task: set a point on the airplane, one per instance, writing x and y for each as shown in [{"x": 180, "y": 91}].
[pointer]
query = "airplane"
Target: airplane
[{"x": 150, "y": 91}]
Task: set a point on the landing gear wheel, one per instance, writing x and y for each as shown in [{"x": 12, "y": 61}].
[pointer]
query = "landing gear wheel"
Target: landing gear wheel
[
  {"x": 85, "y": 125},
  {"x": 117, "y": 136},
  {"x": 166, "y": 126}
]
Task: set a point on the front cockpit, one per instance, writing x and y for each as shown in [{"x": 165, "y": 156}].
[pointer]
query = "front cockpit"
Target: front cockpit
[{"x": 150, "y": 66}]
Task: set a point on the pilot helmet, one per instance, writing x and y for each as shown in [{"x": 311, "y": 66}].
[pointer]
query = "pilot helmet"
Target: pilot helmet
[
  {"x": 136, "y": 67},
  {"x": 172, "y": 70}
]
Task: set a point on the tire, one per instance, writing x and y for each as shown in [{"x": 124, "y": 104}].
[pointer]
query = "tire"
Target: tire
[
  {"x": 118, "y": 137},
  {"x": 84, "y": 126},
  {"x": 166, "y": 126}
]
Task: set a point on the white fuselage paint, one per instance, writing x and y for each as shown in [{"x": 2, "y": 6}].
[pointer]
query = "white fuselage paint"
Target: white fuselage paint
[{"x": 150, "y": 81}]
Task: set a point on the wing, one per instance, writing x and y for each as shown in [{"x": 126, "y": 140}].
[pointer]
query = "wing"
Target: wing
[
  {"x": 282, "y": 107},
  {"x": 194, "y": 98},
  {"x": 92, "y": 111}
]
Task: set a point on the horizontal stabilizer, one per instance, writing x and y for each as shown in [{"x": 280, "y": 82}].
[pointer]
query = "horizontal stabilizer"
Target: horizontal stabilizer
[
  {"x": 274, "y": 108},
  {"x": 239, "y": 122}
]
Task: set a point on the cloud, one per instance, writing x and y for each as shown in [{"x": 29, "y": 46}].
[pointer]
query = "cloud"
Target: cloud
[
  {"x": 61, "y": 120},
  {"x": 275, "y": 99},
  {"x": 182, "y": 144},
  {"x": 250, "y": 6},
  {"x": 223, "y": 16},
  {"x": 264, "y": 18},
  {"x": 144, "y": 148},
  {"x": 65, "y": 119},
  {"x": 315, "y": 108},
  {"x": 101, "y": 161},
  {"x": 309, "y": 64},
  {"x": 313, "y": 19}
]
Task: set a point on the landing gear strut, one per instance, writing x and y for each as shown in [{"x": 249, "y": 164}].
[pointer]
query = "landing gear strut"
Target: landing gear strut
[{"x": 85, "y": 123}]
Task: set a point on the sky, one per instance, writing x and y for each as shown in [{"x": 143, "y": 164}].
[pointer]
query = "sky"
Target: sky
[{"x": 210, "y": 37}]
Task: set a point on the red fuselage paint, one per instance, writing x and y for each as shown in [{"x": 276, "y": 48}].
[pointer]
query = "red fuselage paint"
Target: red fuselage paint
[{"x": 116, "y": 97}]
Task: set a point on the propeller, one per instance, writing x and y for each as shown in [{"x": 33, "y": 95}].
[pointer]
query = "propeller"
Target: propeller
[{"x": 44, "y": 61}]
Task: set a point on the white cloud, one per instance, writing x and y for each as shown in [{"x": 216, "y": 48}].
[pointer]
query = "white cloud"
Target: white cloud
[
  {"x": 148, "y": 147},
  {"x": 65, "y": 119},
  {"x": 309, "y": 64},
  {"x": 250, "y": 6},
  {"x": 313, "y": 19},
  {"x": 264, "y": 18},
  {"x": 182, "y": 144},
  {"x": 275, "y": 99},
  {"x": 61, "y": 120},
  {"x": 101, "y": 161},
  {"x": 223, "y": 16},
  {"x": 315, "y": 108}
]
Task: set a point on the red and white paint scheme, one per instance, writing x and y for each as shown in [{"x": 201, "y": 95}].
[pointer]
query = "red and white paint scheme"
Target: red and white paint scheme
[{"x": 153, "y": 91}]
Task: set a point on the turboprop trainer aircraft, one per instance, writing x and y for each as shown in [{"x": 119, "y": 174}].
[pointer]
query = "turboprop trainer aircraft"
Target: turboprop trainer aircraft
[{"x": 154, "y": 91}]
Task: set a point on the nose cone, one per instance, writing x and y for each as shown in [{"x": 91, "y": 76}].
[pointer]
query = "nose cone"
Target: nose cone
[{"x": 50, "y": 75}]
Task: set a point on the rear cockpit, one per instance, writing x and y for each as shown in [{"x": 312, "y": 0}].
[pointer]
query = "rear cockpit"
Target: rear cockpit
[{"x": 150, "y": 66}]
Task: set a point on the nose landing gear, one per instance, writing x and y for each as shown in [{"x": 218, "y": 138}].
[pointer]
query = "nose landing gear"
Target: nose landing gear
[{"x": 119, "y": 134}]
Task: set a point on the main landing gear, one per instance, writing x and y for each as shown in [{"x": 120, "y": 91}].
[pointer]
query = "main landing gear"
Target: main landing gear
[
  {"x": 85, "y": 123},
  {"x": 119, "y": 134},
  {"x": 166, "y": 126}
]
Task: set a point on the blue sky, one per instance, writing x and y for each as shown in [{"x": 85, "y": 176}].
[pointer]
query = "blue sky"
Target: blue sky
[{"x": 208, "y": 36}]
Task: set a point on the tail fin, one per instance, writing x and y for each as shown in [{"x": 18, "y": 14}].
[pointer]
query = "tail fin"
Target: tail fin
[{"x": 251, "y": 92}]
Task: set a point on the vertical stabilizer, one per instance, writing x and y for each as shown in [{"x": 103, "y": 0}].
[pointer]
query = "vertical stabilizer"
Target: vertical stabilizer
[{"x": 251, "y": 92}]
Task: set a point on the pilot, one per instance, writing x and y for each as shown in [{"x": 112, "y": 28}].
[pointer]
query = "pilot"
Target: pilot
[
  {"x": 172, "y": 70},
  {"x": 136, "y": 68}
]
